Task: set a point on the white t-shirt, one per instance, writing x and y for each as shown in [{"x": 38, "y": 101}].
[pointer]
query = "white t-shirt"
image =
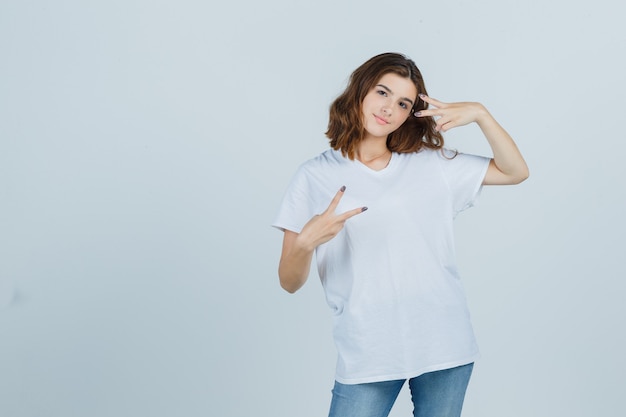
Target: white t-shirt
[{"x": 390, "y": 275}]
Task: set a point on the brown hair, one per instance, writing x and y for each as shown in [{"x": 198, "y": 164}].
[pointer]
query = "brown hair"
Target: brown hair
[{"x": 345, "y": 125}]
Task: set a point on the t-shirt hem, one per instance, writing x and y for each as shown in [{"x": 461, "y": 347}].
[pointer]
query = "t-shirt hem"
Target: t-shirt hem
[{"x": 408, "y": 375}]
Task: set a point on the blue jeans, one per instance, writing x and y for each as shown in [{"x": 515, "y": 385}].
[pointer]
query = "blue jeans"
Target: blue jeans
[{"x": 434, "y": 394}]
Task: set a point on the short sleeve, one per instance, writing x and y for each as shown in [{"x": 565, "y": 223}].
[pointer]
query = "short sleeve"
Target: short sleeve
[
  {"x": 464, "y": 174},
  {"x": 297, "y": 206}
]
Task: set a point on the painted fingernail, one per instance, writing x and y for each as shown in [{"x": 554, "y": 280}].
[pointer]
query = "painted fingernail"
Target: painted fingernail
[
  {"x": 363, "y": 209},
  {"x": 422, "y": 95},
  {"x": 417, "y": 113},
  {"x": 343, "y": 188}
]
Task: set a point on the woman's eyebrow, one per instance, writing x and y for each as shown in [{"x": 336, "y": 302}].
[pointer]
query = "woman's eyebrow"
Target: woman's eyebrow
[{"x": 383, "y": 86}]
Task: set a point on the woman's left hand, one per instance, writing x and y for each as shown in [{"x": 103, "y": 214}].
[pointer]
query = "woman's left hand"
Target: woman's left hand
[{"x": 451, "y": 115}]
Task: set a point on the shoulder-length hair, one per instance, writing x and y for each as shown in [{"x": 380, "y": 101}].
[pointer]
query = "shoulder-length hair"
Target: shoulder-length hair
[{"x": 345, "y": 125}]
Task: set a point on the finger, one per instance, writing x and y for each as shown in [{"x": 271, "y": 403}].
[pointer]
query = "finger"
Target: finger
[
  {"x": 447, "y": 126},
  {"x": 432, "y": 101},
  {"x": 427, "y": 113},
  {"x": 441, "y": 123},
  {"x": 345, "y": 216},
  {"x": 336, "y": 199}
]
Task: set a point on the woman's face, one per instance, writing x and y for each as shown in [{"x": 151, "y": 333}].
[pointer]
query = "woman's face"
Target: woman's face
[{"x": 388, "y": 105}]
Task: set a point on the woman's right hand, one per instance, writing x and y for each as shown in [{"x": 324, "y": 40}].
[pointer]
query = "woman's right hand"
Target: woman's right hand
[
  {"x": 295, "y": 260},
  {"x": 323, "y": 227}
]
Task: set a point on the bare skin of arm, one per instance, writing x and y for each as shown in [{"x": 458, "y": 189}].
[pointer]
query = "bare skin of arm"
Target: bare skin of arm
[
  {"x": 298, "y": 248},
  {"x": 507, "y": 166}
]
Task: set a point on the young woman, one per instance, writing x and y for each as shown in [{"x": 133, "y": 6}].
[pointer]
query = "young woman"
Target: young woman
[{"x": 377, "y": 209}]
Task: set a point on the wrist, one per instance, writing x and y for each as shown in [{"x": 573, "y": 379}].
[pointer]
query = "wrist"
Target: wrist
[
  {"x": 483, "y": 116},
  {"x": 302, "y": 244}
]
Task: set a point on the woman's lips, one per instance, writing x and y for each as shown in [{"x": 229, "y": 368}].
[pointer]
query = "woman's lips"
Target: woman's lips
[{"x": 380, "y": 120}]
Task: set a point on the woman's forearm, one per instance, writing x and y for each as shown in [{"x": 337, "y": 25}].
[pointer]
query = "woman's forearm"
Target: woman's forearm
[
  {"x": 295, "y": 263},
  {"x": 506, "y": 156}
]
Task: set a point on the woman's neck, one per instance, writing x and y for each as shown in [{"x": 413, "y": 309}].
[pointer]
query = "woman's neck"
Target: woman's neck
[{"x": 373, "y": 154}]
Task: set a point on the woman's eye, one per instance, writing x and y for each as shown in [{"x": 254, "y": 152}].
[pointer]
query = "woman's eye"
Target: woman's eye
[
  {"x": 404, "y": 106},
  {"x": 382, "y": 92}
]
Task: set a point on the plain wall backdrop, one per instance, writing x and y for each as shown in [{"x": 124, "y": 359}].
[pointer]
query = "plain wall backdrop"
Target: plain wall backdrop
[{"x": 145, "y": 147}]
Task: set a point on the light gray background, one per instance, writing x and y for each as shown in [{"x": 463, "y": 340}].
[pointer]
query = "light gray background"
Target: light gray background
[{"x": 144, "y": 149}]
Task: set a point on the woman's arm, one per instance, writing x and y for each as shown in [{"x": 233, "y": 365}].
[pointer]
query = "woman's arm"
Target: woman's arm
[
  {"x": 508, "y": 165},
  {"x": 295, "y": 262},
  {"x": 297, "y": 252}
]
